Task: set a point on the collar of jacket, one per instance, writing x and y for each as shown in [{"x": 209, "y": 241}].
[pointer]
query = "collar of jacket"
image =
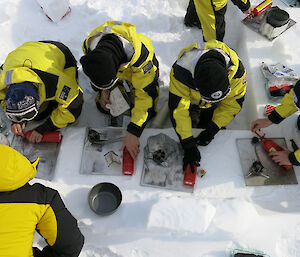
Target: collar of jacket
[{"x": 188, "y": 60}]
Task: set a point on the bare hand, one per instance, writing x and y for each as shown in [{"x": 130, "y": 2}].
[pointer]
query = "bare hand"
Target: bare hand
[
  {"x": 132, "y": 144},
  {"x": 281, "y": 157},
  {"x": 35, "y": 137},
  {"x": 105, "y": 94},
  {"x": 260, "y": 123},
  {"x": 249, "y": 11},
  {"x": 18, "y": 128}
]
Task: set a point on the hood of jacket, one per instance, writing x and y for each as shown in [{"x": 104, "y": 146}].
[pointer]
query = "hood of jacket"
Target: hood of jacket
[{"x": 15, "y": 169}]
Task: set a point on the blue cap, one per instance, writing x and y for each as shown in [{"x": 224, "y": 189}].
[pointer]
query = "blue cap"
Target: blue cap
[{"x": 20, "y": 96}]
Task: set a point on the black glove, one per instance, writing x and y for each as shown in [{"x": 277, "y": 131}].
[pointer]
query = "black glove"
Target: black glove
[
  {"x": 205, "y": 137},
  {"x": 191, "y": 156}
]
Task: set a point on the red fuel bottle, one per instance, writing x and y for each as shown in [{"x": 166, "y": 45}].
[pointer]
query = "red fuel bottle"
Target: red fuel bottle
[
  {"x": 128, "y": 163},
  {"x": 271, "y": 146},
  {"x": 48, "y": 137},
  {"x": 259, "y": 9},
  {"x": 189, "y": 178}
]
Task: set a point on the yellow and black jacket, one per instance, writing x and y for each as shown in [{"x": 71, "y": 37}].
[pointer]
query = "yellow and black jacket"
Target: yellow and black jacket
[
  {"x": 52, "y": 68},
  {"x": 211, "y": 16},
  {"x": 25, "y": 208},
  {"x": 286, "y": 108},
  {"x": 141, "y": 70},
  {"x": 182, "y": 94}
]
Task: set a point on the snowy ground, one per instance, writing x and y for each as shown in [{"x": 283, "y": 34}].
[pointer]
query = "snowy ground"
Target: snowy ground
[{"x": 222, "y": 212}]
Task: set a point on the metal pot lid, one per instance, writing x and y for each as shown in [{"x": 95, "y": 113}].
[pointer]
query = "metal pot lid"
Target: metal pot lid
[{"x": 277, "y": 17}]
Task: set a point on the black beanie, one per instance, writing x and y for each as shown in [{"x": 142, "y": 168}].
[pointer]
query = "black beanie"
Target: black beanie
[
  {"x": 101, "y": 64},
  {"x": 296, "y": 95},
  {"x": 211, "y": 76}
]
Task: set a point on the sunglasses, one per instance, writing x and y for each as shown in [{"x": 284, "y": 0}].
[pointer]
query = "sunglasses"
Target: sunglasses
[
  {"x": 106, "y": 86},
  {"x": 26, "y": 115}
]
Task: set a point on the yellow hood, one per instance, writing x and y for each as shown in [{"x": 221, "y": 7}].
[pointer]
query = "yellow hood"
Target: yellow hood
[{"x": 15, "y": 169}]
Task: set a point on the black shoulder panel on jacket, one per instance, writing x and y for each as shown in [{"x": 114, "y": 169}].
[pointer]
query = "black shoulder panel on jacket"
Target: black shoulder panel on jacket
[
  {"x": 36, "y": 193},
  {"x": 183, "y": 76},
  {"x": 241, "y": 100},
  {"x": 50, "y": 81},
  {"x": 143, "y": 56},
  {"x": 76, "y": 106},
  {"x": 87, "y": 50},
  {"x": 155, "y": 62},
  {"x": 70, "y": 59},
  {"x": 173, "y": 104},
  {"x": 152, "y": 90},
  {"x": 240, "y": 71}
]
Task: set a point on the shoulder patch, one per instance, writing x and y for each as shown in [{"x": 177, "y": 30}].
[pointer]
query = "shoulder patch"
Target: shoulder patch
[
  {"x": 64, "y": 93},
  {"x": 147, "y": 67}
]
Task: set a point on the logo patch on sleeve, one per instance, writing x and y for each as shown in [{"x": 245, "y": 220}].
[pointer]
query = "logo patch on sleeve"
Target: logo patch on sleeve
[
  {"x": 147, "y": 67},
  {"x": 64, "y": 93}
]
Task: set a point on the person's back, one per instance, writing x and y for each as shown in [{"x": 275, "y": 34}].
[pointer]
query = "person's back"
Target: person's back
[{"x": 25, "y": 208}]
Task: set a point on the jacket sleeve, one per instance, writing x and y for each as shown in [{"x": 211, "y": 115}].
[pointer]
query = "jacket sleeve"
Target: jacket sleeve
[
  {"x": 284, "y": 110},
  {"x": 65, "y": 114},
  {"x": 294, "y": 157},
  {"x": 146, "y": 92},
  {"x": 232, "y": 104},
  {"x": 179, "y": 104},
  {"x": 60, "y": 230},
  {"x": 243, "y": 5}
]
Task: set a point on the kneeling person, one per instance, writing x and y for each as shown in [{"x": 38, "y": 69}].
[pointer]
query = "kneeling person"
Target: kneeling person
[
  {"x": 208, "y": 84},
  {"x": 115, "y": 51},
  {"x": 39, "y": 80},
  {"x": 290, "y": 104}
]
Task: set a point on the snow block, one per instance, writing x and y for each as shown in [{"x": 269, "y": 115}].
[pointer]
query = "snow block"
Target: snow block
[
  {"x": 55, "y": 10},
  {"x": 235, "y": 216},
  {"x": 178, "y": 214}
]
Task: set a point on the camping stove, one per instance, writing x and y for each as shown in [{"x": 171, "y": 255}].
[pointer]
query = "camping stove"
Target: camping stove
[{"x": 257, "y": 169}]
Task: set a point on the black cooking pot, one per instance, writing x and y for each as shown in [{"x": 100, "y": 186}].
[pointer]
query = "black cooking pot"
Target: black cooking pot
[
  {"x": 277, "y": 17},
  {"x": 105, "y": 198}
]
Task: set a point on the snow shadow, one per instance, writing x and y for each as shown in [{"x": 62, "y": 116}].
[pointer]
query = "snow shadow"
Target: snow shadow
[{"x": 128, "y": 216}]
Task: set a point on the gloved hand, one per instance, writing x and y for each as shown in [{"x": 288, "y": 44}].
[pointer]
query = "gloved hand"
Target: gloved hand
[
  {"x": 205, "y": 137},
  {"x": 191, "y": 156}
]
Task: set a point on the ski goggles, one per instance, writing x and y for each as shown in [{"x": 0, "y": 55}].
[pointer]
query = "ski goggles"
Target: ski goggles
[
  {"x": 25, "y": 115},
  {"x": 106, "y": 86}
]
